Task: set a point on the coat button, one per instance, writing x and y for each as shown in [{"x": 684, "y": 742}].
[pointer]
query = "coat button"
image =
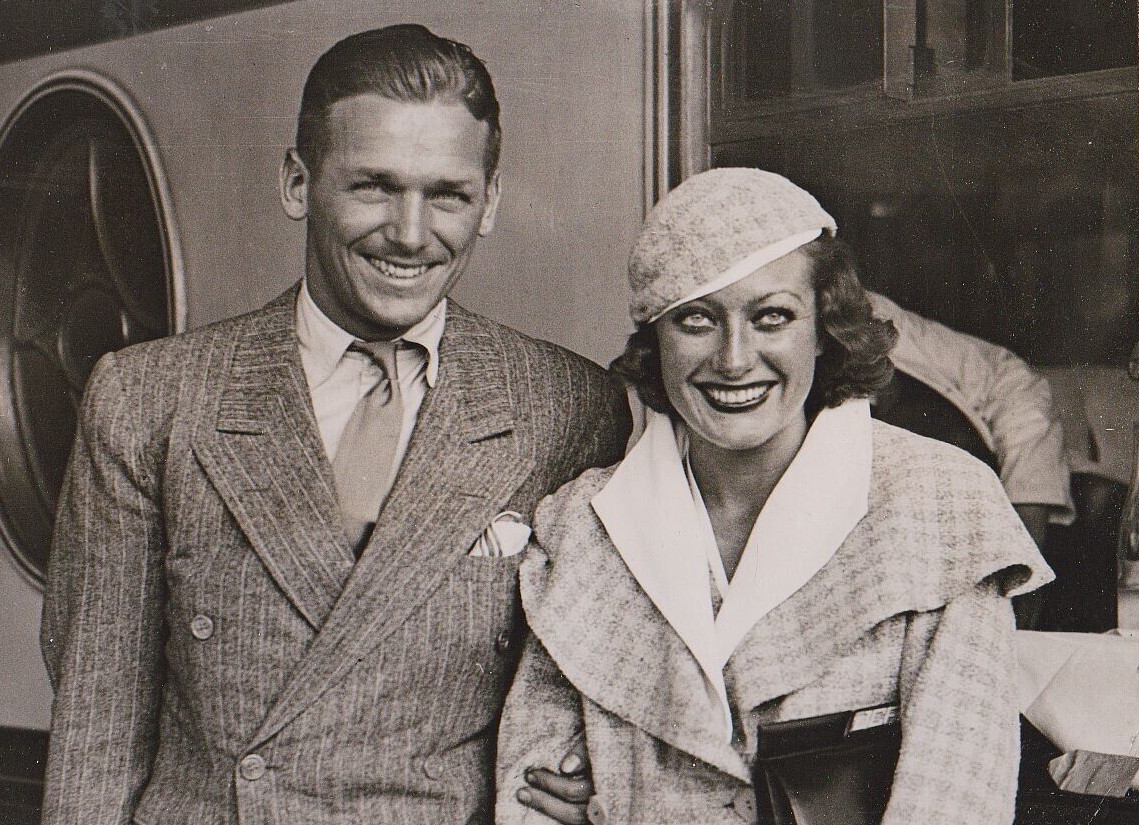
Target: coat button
[
  {"x": 744, "y": 803},
  {"x": 433, "y": 766},
  {"x": 595, "y": 811},
  {"x": 202, "y": 627},
  {"x": 252, "y": 767},
  {"x": 502, "y": 642}
]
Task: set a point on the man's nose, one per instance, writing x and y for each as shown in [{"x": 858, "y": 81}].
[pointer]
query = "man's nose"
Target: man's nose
[{"x": 408, "y": 227}]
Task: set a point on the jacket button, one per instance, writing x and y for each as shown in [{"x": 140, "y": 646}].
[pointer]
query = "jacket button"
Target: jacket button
[
  {"x": 502, "y": 642},
  {"x": 744, "y": 803},
  {"x": 202, "y": 627},
  {"x": 433, "y": 766},
  {"x": 252, "y": 767},
  {"x": 595, "y": 811}
]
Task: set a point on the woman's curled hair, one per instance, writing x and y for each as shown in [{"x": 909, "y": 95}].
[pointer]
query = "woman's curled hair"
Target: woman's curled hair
[{"x": 855, "y": 359}]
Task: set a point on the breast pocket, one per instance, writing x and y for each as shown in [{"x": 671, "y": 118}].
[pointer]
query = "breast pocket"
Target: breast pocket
[{"x": 489, "y": 570}]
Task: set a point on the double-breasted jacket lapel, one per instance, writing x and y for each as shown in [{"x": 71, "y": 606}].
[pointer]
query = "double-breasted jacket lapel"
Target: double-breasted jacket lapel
[
  {"x": 465, "y": 459},
  {"x": 262, "y": 452}
]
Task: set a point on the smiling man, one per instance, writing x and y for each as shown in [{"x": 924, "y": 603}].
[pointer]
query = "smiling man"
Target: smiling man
[{"x": 283, "y": 587}]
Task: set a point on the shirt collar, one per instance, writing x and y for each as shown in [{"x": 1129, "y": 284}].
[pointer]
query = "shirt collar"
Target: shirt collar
[{"x": 323, "y": 342}]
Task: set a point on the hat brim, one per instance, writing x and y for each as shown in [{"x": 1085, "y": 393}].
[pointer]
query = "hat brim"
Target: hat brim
[{"x": 744, "y": 267}]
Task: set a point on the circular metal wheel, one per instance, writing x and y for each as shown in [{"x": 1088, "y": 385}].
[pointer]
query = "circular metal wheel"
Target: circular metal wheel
[{"x": 86, "y": 267}]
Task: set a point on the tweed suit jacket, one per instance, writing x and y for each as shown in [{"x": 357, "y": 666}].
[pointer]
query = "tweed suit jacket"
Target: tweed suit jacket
[
  {"x": 218, "y": 655},
  {"x": 912, "y": 610}
]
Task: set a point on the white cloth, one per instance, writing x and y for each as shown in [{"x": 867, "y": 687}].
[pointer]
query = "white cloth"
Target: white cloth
[
  {"x": 663, "y": 534},
  {"x": 338, "y": 379},
  {"x": 1007, "y": 402},
  {"x": 1081, "y": 690}
]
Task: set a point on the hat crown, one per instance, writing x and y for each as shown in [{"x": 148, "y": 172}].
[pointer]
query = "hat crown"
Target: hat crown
[{"x": 710, "y": 223}]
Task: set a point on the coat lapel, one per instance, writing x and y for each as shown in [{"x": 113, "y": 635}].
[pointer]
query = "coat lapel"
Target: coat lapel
[
  {"x": 465, "y": 459},
  {"x": 648, "y": 513},
  {"x": 263, "y": 454},
  {"x": 590, "y": 611},
  {"x": 797, "y": 642},
  {"x": 822, "y": 495}
]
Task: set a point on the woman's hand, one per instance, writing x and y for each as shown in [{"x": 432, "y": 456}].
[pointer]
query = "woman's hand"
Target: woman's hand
[{"x": 564, "y": 795}]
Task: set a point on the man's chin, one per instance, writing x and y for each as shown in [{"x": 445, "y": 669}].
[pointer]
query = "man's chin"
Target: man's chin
[{"x": 395, "y": 317}]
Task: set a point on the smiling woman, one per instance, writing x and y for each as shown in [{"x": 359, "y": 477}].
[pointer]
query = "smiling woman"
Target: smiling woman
[{"x": 766, "y": 554}]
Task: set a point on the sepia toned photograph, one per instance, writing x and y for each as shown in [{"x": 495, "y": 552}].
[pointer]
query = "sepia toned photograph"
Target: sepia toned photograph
[{"x": 627, "y": 412}]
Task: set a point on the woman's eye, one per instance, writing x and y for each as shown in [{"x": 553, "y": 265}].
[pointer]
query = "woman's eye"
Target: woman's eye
[
  {"x": 773, "y": 318},
  {"x": 695, "y": 321}
]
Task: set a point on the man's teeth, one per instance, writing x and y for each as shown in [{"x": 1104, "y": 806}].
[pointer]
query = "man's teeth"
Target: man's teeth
[
  {"x": 397, "y": 271},
  {"x": 744, "y": 395}
]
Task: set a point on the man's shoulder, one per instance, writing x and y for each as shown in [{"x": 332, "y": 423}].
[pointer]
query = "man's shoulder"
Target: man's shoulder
[
  {"x": 518, "y": 347},
  {"x": 185, "y": 353}
]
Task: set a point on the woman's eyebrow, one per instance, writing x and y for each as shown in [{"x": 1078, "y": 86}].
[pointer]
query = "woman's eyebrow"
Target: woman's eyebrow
[{"x": 776, "y": 294}]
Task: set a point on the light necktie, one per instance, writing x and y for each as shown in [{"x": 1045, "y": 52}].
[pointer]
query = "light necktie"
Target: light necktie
[{"x": 364, "y": 465}]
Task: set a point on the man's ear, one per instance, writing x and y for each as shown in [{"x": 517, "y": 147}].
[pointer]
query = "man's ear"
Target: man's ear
[
  {"x": 493, "y": 193},
  {"x": 294, "y": 181}
]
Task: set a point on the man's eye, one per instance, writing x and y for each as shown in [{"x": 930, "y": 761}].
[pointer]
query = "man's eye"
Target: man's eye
[
  {"x": 369, "y": 186},
  {"x": 451, "y": 199}
]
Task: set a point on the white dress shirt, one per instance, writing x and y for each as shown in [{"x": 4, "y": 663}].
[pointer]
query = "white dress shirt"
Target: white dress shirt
[{"x": 338, "y": 379}]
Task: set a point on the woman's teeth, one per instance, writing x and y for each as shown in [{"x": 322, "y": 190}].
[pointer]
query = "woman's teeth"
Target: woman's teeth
[
  {"x": 737, "y": 397},
  {"x": 397, "y": 271}
]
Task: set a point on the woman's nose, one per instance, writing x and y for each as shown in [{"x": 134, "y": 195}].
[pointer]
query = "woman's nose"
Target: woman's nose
[
  {"x": 408, "y": 227},
  {"x": 734, "y": 356}
]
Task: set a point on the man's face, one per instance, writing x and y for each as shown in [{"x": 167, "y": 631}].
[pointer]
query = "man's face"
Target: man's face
[{"x": 394, "y": 208}]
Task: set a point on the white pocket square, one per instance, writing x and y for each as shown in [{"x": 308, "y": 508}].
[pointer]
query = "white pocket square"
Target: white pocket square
[{"x": 506, "y": 535}]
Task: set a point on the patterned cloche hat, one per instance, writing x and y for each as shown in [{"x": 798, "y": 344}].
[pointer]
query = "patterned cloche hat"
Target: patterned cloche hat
[{"x": 714, "y": 229}]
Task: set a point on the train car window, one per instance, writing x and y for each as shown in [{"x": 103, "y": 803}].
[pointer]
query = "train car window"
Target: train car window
[
  {"x": 1058, "y": 37},
  {"x": 783, "y": 49},
  {"x": 979, "y": 155},
  {"x": 1017, "y": 225},
  {"x": 85, "y": 268}
]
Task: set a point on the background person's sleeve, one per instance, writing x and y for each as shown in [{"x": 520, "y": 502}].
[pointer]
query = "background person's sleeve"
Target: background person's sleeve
[{"x": 1007, "y": 401}]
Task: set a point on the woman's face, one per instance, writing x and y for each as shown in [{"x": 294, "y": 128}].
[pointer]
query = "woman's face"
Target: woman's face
[{"x": 738, "y": 364}]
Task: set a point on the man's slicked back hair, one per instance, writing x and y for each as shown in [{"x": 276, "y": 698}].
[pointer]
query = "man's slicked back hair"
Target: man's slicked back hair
[{"x": 406, "y": 62}]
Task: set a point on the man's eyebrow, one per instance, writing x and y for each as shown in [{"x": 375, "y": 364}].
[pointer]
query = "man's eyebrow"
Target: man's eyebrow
[
  {"x": 452, "y": 185},
  {"x": 442, "y": 184}
]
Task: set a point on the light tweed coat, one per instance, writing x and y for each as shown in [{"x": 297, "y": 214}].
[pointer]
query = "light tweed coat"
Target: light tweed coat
[
  {"x": 217, "y": 654},
  {"x": 912, "y": 609}
]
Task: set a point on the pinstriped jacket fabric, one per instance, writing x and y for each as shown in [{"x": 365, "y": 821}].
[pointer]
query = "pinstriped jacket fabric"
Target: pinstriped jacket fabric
[
  {"x": 217, "y": 654},
  {"x": 912, "y": 610}
]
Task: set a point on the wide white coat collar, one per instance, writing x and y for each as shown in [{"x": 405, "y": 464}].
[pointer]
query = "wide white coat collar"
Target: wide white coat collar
[{"x": 660, "y": 532}]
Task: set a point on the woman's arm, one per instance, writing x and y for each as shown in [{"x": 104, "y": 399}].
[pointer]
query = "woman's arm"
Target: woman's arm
[
  {"x": 541, "y": 723},
  {"x": 960, "y": 735}
]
